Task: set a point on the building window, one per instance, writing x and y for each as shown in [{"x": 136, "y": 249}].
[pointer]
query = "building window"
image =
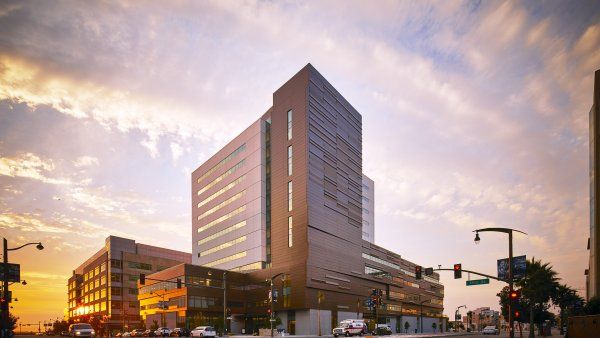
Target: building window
[
  {"x": 141, "y": 266},
  {"x": 290, "y": 226},
  {"x": 289, "y": 124},
  {"x": 290, "y": 196},
  {"x": 115, "y": 277},
  {"x": 289, "y": 153},
  {"x": 115, "y": 263}
]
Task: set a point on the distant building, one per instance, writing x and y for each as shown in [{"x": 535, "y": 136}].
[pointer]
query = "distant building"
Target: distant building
[
  {"x": 105, "y": 285},
  {"x": 593, "y": 271},
  {"x": 288, "y": 195},
  {"x": 368, "y": 212}
]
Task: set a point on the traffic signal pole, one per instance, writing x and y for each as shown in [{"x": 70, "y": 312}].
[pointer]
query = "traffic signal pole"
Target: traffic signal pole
[{"x": 510, "y": 286}]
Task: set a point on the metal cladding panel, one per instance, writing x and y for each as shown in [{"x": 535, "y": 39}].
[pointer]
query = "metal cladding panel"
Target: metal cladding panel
[
  {"x": 335, "y": 179},
  {"x": 593, "y": 283}
]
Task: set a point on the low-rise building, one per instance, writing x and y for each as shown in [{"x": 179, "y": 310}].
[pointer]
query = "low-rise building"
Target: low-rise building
[{"x": 104, "y": 287}]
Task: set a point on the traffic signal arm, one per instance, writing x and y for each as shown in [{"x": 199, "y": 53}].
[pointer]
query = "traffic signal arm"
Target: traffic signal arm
[{"x": 475, "y": 273}]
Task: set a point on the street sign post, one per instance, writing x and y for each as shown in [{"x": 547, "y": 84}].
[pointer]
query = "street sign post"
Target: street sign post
[
  {"x": 11, "y": 271},
  {"x": 519, "y": 268},
  {"x": 478, "y": 281}
]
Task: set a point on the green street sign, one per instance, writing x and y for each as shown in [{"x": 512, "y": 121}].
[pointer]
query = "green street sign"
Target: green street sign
[{"x": 478, "y": 281}]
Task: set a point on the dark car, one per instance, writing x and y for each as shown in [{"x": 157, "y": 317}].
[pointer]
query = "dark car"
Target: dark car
[
  {"x": 180, "y": 332},
  {"x": 382, "y": 331}
]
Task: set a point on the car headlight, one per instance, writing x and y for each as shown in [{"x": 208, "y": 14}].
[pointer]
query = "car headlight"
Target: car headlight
[
  {"x": 93, "y": 332},
  {"x": 78, "y": 333}
]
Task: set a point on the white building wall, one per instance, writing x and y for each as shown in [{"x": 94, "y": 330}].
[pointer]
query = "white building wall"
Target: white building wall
[
  {"x": 253, "y": 171},
  {"x": 368, "y": 213}
]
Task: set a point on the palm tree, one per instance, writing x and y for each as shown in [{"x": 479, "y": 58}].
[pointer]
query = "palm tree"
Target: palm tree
[
  {"x": 538, "y": 285},
  {"x": 565, "y": 298}
]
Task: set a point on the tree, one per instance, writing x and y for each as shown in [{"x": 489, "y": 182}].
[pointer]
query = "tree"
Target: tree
[
  {"x": 568, "y": 301},
  {"x": 12, "y": 322},
  {"x": 433, "y": 326},
  {"x": 154, "y": 325},
  {"x": 592, "y": 307},
  {"x": 60, "y": 326},
  {"x": 406, "y": 326},
  {"x": 537, "y": 286}
]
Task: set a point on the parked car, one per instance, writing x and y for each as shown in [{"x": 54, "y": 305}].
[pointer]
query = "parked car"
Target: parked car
[
  {"x": 137, "y": 333},
  {"x": 490, "y": 330},
  {"x": 203, "y": 331},
  {"x": 162, "y": 332},
  {"x": 64, "y": 333},
  {"x": 348, "y": 329},
  {"x": 148, "y": 333},
  {"x": 180, "y": 332},
  {"x": 126, "y": 334},
  {"x": 118, "y": 334},
  {"x": 382, "y": 330},
  {"x": 81, "y": 330}
]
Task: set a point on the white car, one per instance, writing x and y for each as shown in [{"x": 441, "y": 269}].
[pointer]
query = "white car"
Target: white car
[
  {"x": 490, "y": 330},
  {"x": 162, "y": 332},
  {"x": 203, "y": 331}
]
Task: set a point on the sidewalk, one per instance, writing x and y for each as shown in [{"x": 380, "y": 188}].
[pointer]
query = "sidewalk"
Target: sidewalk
[{"x": 403, "y": 335}]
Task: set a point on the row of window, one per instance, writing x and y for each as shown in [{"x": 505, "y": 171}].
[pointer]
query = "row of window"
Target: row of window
[
  {"x": 94, "y": 272},
  {"x": 223, "y": 246},
  {"x": 222, "y": 162},
  {"x": 222, "y": 232},
  {"x": 222, "y": 218},
  {"x": 226, "y": 259},
  {"x": 381, "y": 261},
  {"x": 140, "y": 266},
  {"x": 376, "y": 272},
  {"x": 220, "y": 178},
  {"x": 221, "y": 191},
  {"x": 223, "y": 204}
]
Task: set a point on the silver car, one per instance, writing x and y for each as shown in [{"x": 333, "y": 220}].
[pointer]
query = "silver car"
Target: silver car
[
  {"x": 203, "y": 331},
  {"x": 81, "y": 330}
]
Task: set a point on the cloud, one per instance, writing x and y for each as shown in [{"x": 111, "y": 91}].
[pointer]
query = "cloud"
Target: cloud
[
  {"x": 30, "y": 166},
  {"x": 85, "y": 161}
]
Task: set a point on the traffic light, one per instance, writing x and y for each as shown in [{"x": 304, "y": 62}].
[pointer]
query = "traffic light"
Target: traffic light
[
  {"x": 142, "y": 279},
  {"x": 515, "y": 295},
  {"x": 179, "y": 283},
  {"x": 457, "y": 271},
  {"x": 517, "y": 314},
  {"x": 418, "y": 272}
]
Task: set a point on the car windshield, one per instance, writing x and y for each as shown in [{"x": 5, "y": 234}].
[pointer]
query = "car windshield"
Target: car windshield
[{"x": 82, "y": 327}]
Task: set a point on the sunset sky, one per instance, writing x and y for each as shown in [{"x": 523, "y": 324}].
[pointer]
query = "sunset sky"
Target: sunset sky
[{"x": 475, "y": 114}]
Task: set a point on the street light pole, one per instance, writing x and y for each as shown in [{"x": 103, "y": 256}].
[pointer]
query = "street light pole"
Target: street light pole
[
  {"x": 510, "y": 269},
  {"x": 225, "y": 302},
  {"x": 272, "y": 316},
  {"x": 5, "y": 294},
  {"x": 456, "y": 316}
]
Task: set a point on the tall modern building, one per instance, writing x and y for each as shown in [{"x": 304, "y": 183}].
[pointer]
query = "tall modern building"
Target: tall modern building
[
  {"x": 368, "y": 209},
  {"x": 288, "y": 195},
  {"x": 105, "y": 285},
  {"x": 593, "y": 272}
]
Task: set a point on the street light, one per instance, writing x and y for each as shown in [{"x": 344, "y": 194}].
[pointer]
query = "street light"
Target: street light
[
  {"x": 5, "y": 307},
  {"x": 456, "y": 316},
  {"x": 510, "y": 267},
  {"x": 272, "y": 319}
]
